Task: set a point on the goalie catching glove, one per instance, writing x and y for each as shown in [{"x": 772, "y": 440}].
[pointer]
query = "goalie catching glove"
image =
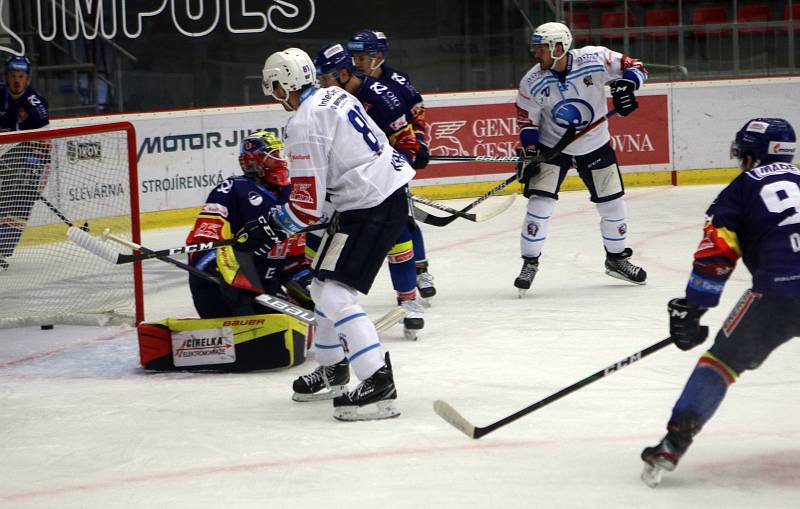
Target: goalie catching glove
[
  {"x": 526, "y": 169},
  {"x": 262, "y": 233},
  {"x": 684, "y": 323},
  {"x": 622, "y": 95}
]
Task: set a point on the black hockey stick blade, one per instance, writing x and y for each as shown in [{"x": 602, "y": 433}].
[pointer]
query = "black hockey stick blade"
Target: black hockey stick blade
[{"x": 449, "y": 414}]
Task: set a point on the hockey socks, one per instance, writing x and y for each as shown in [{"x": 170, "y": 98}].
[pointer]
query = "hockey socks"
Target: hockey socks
[{"x": 704, "y": 390}]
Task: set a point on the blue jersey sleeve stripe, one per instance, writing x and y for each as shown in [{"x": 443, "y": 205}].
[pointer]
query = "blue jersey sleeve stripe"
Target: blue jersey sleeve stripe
[{"x": 348, "y": 318}]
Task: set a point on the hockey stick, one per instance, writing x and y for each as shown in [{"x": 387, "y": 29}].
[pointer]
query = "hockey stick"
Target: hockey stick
[
  {"x": 449, "y": 414},
  {"x": 568, "y": 138},
  {"x": 440, "y": 206},
  {"x": 60, "y": 215},
  {"x": 485, "y": 215},
  {"x": 99, "y": 248},
  {"x": 120, "y": 258}
]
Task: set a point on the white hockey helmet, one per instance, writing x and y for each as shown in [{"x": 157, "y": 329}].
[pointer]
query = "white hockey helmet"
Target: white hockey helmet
[
  {"x": 551, "y": 34},
  {"x": 292, "y": 68}
]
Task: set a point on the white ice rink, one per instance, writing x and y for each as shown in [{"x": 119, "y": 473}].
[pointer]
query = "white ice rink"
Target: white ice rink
[{"x": 82, "y": 426}]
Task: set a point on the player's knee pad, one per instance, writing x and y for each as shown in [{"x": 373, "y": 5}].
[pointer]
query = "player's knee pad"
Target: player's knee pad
[
  {"x": 606, "y": 183},
  {"x": 546, "y": 181},
  {"x": 333, "y": 299}
]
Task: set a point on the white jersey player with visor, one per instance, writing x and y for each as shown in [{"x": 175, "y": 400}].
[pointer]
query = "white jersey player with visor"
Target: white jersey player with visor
[
  {"x": 343, "y": 170},
  {"x": 566, "y": 88}
]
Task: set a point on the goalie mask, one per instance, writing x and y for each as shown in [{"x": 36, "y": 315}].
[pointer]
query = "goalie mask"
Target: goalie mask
[
  {"x": 261, "y": 157},
  {"x": 766, "y": 140}
]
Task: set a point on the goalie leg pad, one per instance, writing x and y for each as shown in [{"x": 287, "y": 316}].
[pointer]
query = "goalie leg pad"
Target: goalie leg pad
[{"x": 352, "y": 326}]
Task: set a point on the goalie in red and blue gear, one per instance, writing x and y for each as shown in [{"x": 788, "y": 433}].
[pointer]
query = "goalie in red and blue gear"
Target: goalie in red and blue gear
[
  {"x": 369, "y": 49},
  {"x": 385, "y": 105},
  {"x": 755, "y": 218},
  {"x": 237, "y": 200}
]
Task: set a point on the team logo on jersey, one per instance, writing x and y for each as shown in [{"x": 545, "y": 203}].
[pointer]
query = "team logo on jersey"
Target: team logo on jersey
[
  {"x": 209, "y": 229},
  {"x": 255, "y": 199},
  {"x": 304, "y": 191},
  {"x": 533, "y": 229},
  {"x": 575, "y": 113},
  {"x": 587, "y": 80},
  {"x": 226, "y": 186},
  {"x": 622, "y": 229}
]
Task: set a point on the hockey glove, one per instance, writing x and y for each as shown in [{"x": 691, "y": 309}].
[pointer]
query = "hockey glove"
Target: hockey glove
[
  {"x": 423, "y": 155},
  {"x": 262, "y": 233},
  {"x": 684, "y": 323},
  {"x": 527, "y": 169},
  {"x": 622, "y": 95}
]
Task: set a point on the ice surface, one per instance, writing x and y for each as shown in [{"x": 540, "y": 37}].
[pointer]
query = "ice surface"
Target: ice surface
[{"x": 83, "y": 426}]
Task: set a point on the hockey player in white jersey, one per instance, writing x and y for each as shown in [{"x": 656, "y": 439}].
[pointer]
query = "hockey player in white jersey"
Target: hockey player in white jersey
[
  {"x": 337, "y": 154},
  {"x": 566, "y": 88}
]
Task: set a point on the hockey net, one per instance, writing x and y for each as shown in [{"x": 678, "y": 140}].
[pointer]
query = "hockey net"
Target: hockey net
[{"x": 51, "y": 178}]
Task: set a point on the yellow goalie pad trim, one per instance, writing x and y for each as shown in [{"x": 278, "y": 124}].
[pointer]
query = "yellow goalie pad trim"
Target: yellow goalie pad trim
[{"x": 245, "y": 328}]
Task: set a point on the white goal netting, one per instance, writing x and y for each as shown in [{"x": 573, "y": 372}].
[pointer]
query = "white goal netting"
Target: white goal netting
[{"x": 49, "y": 178}]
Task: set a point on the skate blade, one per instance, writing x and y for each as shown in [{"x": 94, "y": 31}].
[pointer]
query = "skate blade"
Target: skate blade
[
  {"x": 384, "y": 409},
  {"x": 410, "y": 334},
  {"x": 521, "y": 292},
  {"x": 652, "y": 474},
  {"x": 623, "y": 278},
  {"x": 334, "y": 392}
]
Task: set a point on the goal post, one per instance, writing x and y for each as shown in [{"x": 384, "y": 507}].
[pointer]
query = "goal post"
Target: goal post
[{"x": 52, "y": 178}]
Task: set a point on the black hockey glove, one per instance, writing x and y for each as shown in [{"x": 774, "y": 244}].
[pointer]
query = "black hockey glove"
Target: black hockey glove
[
  {"x": 684, "y": 323},
  {"x": 527, "y": 169},
  {"x": 622, "y": 95},
  {"x": 262, "y": 233},
  {"x": 423, "y": 157}
]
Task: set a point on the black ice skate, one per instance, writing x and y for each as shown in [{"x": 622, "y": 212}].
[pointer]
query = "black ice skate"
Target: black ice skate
[
  {"x": 372, "y": 399},
  {"x": 618, "y": 266},
  {"x": 413, "y": 321},
  {"x": 664, "y": 456},
  {"x": 425, "y": 282},
  {"x": 530, "y": 266},
  {"x": 658, "y": 459},
  {"x": 325, "y": 382}
]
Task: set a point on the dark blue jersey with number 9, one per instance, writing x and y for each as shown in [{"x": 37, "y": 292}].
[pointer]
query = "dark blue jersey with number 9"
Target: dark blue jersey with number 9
[{"x": 757, "y": 218}]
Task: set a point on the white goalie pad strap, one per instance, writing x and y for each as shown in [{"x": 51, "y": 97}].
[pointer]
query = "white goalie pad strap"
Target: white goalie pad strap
[
  {"x": 546, "y": 180},
  {"x": 92, "y": 244},
  {"x": 607, "y": 181}
]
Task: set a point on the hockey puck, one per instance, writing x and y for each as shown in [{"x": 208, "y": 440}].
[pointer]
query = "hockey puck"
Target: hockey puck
[{"x": 47, "y": 327}]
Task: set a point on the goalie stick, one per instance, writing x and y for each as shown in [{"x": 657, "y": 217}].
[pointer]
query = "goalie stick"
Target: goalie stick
[
  {"x": 451, "y": 415},
  {"x": 108, "y": 254},
  {"x": 568, "y": 138},
  {"x": 103, "y": 250}
]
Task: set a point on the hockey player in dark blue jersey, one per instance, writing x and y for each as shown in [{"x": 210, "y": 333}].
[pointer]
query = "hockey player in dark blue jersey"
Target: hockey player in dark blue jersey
[
  {"x": 234, "y": 202},
  {"x": 24, "y": 166},
  {"x": 369, "y": 49},
  {"x": 385, "y": 105},
  {"x": 21, "y": 107},
  {"x": 757, "y": 218}
]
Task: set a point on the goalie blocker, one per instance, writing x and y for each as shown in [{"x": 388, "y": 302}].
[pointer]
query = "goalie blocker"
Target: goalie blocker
[{"x": 233, "y": 344}]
